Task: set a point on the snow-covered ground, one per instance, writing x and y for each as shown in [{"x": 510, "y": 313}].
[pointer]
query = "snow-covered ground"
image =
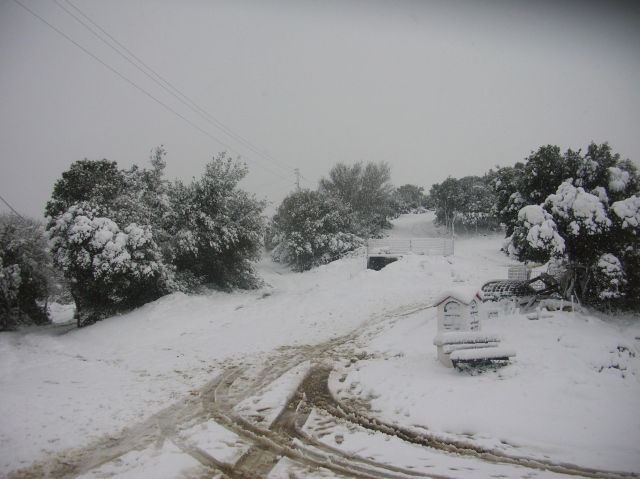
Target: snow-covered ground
[{"x": 572, "y": 394}]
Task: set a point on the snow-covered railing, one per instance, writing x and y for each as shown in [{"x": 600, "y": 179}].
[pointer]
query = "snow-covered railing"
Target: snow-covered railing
[{"x": 399, "y": 246}]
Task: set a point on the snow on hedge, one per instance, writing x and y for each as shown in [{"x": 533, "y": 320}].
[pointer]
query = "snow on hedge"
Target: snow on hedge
[
  {"x": 81, "y": 238},
  {"x": 618, "y": 179},
  {"x": 543, "y": 232},
  {"x": 585, "y": 211},
  {"x": 629, "y": 212}
]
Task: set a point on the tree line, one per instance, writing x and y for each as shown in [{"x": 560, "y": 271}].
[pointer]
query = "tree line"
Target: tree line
[
  {"x": 580, "y": 210},
  {"x": 118, "y": 238}
]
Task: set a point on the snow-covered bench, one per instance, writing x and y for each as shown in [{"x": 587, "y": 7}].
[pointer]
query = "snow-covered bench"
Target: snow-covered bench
[
  {"x": 481, "y": 355},
  {"x": 469, "y": 347}
]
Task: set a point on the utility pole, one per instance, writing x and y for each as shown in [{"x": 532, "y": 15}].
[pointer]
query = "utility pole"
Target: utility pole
[{"x": 297, "y": 172}]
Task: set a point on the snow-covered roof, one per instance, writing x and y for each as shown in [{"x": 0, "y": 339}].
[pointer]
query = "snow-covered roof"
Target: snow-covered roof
[{"x": 463, "y": 294}]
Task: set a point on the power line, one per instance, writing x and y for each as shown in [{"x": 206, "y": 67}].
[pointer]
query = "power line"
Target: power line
[
  {"x": 135, "y": 85},
  {"x": 165, "y": 84},
  {"x": 270, "y": 184},
  {"x": 11, "y": 208}
]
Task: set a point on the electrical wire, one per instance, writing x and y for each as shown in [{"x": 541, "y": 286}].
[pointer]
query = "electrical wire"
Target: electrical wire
[
  {"x": 11, "y": 208},
  {"x": 165, "y": 84},
  {"x": 135, "y": 85}
]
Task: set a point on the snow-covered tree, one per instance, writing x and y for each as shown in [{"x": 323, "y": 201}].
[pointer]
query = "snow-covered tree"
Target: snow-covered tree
[
  {"x": 598, "y": 171},
  {"x": 409, "y": 199},
  {"x": 464, "y": 204},
  {"x": 596, "y": 241},
  {"x": 310, "y": 229},
  {"x": 217, "y": 228},
  {"x": 104, "y": 225},
  {"x": 505, "y": 183},
  {"x": 367, "y": 190},
  {"x": 125, "y": 237},
  {"x": 100, "y": 182},
  {"x": 25, "y": 272}
]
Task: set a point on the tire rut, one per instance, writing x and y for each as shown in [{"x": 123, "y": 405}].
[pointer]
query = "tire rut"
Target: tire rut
[{"x": 285, "y": 437}]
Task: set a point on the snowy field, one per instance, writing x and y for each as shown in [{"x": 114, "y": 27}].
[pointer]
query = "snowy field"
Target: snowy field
[{"x": 571, "y": 395}]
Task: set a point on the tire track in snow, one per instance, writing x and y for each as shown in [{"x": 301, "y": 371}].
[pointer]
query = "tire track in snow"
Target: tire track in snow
[{"x": 285, "y": 438}]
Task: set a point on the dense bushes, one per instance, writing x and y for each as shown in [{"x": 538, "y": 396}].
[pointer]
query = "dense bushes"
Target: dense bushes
[
  {"x": 590, "y": 222},
  {"x": 366, "y": 189},
  {"x": 465, "y": 204},
  {"x": 410, "y": 199},
  {"x": 315, "y": 227},
  {"x": 25, "y": 272},
  {"x": 217, "y": 228},
  {"x": 125, "y": 237},
  {"x": 578, "y": 209},
  {"x": 310, "y": 229}
]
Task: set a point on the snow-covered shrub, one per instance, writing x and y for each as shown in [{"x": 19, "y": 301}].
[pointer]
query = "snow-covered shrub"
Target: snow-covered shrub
[
  {"x": 583, "y": 207},
  {"x": 535, "y": 236},
  {"x": 110, "y": 268},
  {"x": 25, "y": 272},
  {"x": 216, "y": 228},
  {"x": 626, "y": 219},
  {"x": 598, "y": 242},
  {"x": 310, "y": 229},
  {"x": 627, "y": 212},
  {"x": 124, "y": 237},
  {"x": 582, "y": 213},
  {"x": 105, "y": 225},
  {"x": 598, "y": 171},
  {"x": 608, "y": 277}
]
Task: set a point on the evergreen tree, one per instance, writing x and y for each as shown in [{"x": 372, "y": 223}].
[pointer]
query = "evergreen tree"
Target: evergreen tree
[
  {"x": 465, "y": 204},
  {"x": 103, "y": 224},
  {"x": 310, "y": 229},
  {"x": 25, "y": 272},
  {"x": 367, "y": 190},
  {"x": 596, "y": 241},
  {"x": 110, "y": 268},
  {"x": 598, "y": 171},
  {"x": 217, "y": 228},
  {"x": 409, "y": 199}
]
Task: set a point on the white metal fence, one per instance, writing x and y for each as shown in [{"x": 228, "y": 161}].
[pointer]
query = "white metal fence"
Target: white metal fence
[{"x": 399, "y": 246}]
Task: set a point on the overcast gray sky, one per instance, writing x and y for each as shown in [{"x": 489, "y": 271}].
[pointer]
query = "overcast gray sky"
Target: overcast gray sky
[{"x": 435, "y": 88}]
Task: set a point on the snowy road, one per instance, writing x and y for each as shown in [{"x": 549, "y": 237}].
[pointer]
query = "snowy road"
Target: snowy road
[{"x": 277, "y": 418}]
